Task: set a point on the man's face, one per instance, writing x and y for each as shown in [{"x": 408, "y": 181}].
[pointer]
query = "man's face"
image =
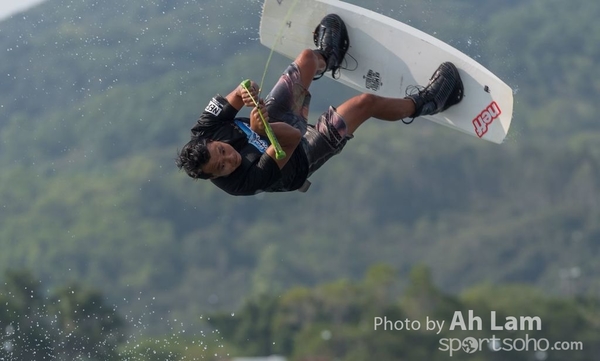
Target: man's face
[{"x": 224, "y": 159}]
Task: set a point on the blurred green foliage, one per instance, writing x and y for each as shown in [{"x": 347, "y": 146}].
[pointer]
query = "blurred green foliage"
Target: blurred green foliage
[
  {"x": 362, "y": 320},
  {"x": 96, "y": 97},
  {"x": 371, "y": 317},
  {"x": 73, "y": 322}
]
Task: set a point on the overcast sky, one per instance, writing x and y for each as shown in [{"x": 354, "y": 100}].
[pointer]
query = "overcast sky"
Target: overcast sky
[{"x": 9, "y": 7}]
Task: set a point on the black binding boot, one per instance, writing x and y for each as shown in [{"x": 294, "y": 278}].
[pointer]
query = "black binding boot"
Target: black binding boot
[
  {"x": 331, "y": 39},
  {"x": 444, "y": 90}
]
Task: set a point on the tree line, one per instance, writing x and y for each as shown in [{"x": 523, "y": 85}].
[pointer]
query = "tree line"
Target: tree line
[{"x": 370, "y": 318}]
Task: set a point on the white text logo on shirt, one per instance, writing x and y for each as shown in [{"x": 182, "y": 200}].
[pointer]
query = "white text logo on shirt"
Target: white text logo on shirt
[
  {"x": 253, "y": 137},
  {"x": 214, "y": 107}
]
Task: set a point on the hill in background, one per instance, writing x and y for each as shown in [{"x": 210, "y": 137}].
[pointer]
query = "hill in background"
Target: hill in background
[{"x": 96, "y": 97}]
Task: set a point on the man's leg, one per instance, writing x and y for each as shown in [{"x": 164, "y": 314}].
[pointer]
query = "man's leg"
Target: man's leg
[
  {"x": 337, "y": 125},
  {"x": 289, "y": 99},
  {"x": 358, "y": 109},
  {"x": 444, "y": 90},
  {"x": 331, "y": 41},
  {"x": 310, "y": 63}
]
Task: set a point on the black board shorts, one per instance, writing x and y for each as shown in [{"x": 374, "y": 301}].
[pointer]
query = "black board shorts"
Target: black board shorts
[{"x": 289, "y": 102}]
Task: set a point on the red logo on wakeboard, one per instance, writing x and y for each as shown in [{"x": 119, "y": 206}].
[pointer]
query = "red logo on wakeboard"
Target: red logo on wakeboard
[{"x": 483, "y": 121}]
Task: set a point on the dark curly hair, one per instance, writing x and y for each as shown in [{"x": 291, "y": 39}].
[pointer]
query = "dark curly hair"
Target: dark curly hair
[{"x": 193, "y": 156}]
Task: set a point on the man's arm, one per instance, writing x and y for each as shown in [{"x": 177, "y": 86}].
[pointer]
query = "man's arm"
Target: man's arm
[
  {"x": 221, "y": 109},
  {"x": 288, "y": 137},
  {"x": 240, "y": 97}
]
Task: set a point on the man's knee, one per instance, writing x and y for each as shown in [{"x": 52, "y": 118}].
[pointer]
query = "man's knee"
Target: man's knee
[
  {"x": 307, "y": 58},
  {"x": 366, "y": 100},
  {"x": 308, "y": 63}
]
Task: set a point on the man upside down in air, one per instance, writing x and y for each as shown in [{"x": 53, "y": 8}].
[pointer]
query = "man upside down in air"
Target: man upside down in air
[{"x": 234, "y": 153}]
